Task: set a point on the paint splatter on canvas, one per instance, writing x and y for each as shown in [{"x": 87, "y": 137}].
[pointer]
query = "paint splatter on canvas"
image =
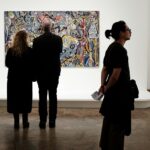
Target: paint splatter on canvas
[{"x": 78, "y": 29}]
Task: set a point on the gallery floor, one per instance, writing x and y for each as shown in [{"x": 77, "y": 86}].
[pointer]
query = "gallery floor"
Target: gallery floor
[{"x": 76, "y": 129}]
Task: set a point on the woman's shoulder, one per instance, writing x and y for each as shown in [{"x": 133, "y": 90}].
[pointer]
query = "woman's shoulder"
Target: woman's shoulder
[
  {"x": 28, "y": 52},
  {"x": 116, "y": 47},
  {"x": 9, "y": 51}
]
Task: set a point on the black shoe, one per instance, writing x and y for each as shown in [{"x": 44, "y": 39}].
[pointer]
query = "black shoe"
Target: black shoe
[
  {"x": 52, "y": 124},
  {"x": 42, "y": 125},
  {"x": 16, "y": 126},
  {"x": 26, "y": 125}
]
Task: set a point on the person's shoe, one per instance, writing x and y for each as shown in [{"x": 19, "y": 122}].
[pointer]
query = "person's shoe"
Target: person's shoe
[
  {"x": 26, "y": 125},
  {"x": 42, "y": 125},
  {"x": 16, "y": 126},
  {"x": 52, "y": 124}
]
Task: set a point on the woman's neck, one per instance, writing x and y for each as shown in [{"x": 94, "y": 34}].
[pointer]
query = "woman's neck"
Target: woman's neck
[{"x": 121, "y": 41}]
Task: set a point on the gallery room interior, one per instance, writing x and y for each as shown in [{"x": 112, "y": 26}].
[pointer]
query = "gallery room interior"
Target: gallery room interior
[{"x": 79, "y": 123}]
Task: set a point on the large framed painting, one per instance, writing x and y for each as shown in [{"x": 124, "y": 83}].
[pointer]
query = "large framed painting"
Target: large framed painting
[{"x": 78, "y": 29}]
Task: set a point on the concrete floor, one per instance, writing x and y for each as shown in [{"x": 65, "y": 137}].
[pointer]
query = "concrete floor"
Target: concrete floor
[{"x": 76, "y": 129}]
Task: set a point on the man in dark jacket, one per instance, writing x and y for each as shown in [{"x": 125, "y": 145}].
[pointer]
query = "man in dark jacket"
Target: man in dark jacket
[{"x": 47, "y": 49}]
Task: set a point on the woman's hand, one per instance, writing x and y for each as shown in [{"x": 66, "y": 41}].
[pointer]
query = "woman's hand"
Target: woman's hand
[{"x": 101, "y": 89}]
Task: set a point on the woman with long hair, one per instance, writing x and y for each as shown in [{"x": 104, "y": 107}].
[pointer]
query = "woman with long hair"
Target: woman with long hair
[
  {"x": 115, "y": 77},
  {"x": 19, "y": 83}
]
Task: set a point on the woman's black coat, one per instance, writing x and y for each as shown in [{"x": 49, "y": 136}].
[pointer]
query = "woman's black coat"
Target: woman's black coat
[{"x": 19, "y": 83}]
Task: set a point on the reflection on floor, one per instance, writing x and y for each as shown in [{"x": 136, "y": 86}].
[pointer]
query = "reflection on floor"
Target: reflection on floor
[{"x": 76, "y": 129}]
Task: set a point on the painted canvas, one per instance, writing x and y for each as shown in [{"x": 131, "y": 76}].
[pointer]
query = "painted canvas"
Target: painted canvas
[{"x": 78, "y": 29}]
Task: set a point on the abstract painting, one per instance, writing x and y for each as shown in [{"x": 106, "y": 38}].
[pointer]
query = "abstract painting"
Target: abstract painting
[{"x": 78, "y": 29}]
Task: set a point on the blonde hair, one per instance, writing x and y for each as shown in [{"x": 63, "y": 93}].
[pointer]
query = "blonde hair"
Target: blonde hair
[{"x": 20, "y": 43}]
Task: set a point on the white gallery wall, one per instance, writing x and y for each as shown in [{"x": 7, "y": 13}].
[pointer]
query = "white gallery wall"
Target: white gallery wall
[
  {"x": 79, "y": 83},
  {"x": 148, "y": 56}
]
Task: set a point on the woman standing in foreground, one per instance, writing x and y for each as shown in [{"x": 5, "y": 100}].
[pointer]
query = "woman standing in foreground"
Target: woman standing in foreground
[
  {"x": 19, "y": 83},
  {"x": 117, "y": 104}
]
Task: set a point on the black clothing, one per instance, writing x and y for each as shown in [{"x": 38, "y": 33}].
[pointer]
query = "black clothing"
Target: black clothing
[
  {"x": 45, "y": 87},
  {"x": 24, "y": 118},
  {"x": 47, "y": 49},
  {"x": 116, "y": 57},
  {"x": 117, "y": 104},
  {"x": 112, "y": 136},
  {"x": 116, "y": 101},
  {"x": 19, "y": 84}
]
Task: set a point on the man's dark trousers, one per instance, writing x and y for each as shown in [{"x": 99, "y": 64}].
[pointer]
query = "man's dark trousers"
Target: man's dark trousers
[{"x": 48, "y": 86}]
